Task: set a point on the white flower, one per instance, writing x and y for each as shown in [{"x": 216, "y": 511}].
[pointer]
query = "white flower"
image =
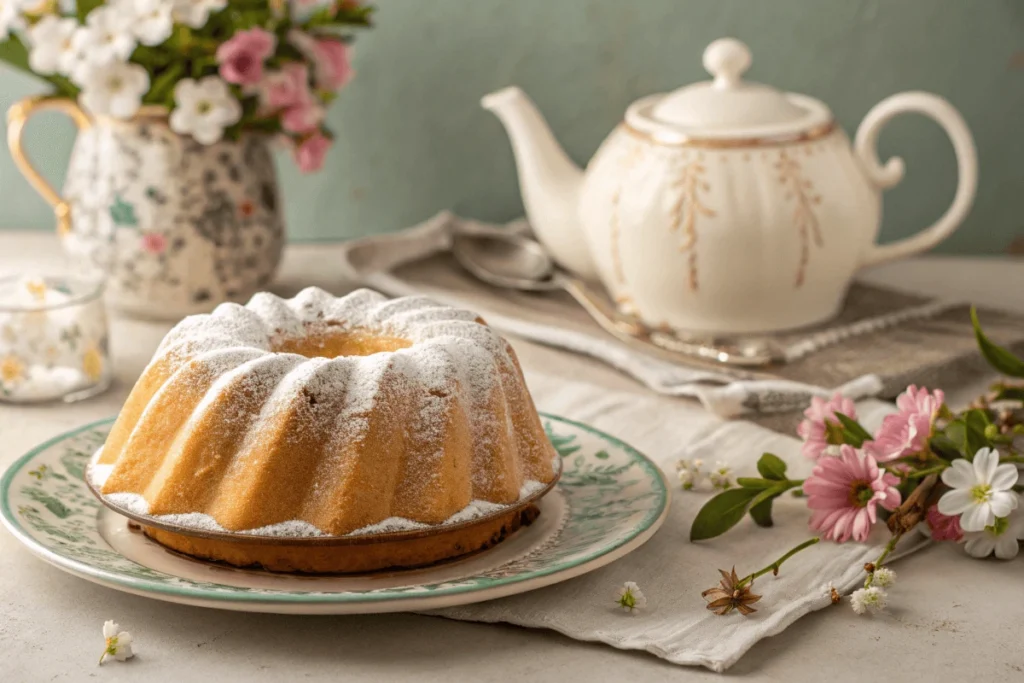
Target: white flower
[
  {"x": 194, "y": 13},
  {"x": 630, "y": 597},
  {"x": 114, "y": 90},
  {"x": 52, "y": 48},
  {"x": 690, "y": 475},
  {"x": 10, "y": 17},
  {"x": 883, "y": 577},
  {"x": 868, "y": 600},
  {"x": 1001, "y": 537},
  {"x": 118, "y": 643},
  {"x": 151, "y": 19},
  {"x": 721, "y": 476},
  {"x": 689, "y": 465},
  {"x": 106, "y": 37},
  {"x": 982, "y": 490},
  {"x": 204, "y": 108}
]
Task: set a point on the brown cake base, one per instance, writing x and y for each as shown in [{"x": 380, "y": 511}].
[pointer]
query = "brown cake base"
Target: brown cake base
[{"x": 348, "y": 556}]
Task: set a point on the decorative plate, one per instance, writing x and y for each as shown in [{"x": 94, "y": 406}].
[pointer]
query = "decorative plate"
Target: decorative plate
[{"x": 609, "y": 501}]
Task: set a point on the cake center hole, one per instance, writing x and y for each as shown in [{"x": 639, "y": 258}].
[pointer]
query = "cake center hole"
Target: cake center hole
[{"x": 334, "y": 344}]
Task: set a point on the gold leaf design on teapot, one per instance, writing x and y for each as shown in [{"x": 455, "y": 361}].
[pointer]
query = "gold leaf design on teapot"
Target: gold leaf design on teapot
[
  {"x": 687, "y": 208},
  {"x": 801, "y": 192}
]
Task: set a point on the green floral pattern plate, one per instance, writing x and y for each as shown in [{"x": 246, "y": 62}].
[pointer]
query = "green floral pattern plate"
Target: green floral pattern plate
[{"x": 609, "y": 501}]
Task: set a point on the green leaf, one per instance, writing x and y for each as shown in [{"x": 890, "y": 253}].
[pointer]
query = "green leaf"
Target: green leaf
[
  {"x": 601, "y": 455},
  {"x": 721, "y": 513},
  {"x": 945, "y": 447},
  {"x": 976, "y": 421},
  {"x": 855, "y": 434},
  {"x": 762, "y": 513},
  {"x": 769, "y": 494},
  {"x": 1010, "y": 394},
  {"x": 998, "y": 357},
  {"x": 14, "y": 52},
  {"x": 63, "y": 85},
  {"x": 755, "y": 482},
  {"x": 86, "y": 6},
  {"x": 772, "y": 467},
  {"x": 761, "y": 504},
  {"x": 163, "y": 85},
  {"x": 956, "y": 431}
]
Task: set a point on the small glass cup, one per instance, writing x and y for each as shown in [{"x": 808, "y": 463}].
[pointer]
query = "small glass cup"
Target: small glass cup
[{"x": 53, "y": 339}]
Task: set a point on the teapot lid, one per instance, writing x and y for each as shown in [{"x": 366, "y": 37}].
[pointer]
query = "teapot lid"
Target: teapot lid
[{"x": 727, "y": 108}]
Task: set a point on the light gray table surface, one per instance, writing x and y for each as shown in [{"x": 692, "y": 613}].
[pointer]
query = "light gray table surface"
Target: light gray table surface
[{"x": 957, "y": 619}]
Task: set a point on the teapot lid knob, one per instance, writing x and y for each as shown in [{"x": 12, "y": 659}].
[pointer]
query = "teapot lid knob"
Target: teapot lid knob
[{"x": 727, "y": 59}]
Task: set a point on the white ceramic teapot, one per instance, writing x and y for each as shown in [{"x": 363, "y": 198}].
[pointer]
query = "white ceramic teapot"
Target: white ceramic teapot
[{"x": 725, "y": 206}]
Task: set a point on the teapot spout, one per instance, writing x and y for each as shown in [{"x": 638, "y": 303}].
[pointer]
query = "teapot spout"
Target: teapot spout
[{"x": 549, "y": 181}]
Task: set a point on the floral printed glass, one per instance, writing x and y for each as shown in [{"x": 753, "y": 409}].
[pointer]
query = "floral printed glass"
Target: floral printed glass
[{"x": 53, "y": 339}]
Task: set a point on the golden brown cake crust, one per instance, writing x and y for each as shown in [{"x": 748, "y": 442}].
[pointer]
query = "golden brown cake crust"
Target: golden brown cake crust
[
  {"x": 282, "y": 556},
  {"x": 330, "y": 416}
]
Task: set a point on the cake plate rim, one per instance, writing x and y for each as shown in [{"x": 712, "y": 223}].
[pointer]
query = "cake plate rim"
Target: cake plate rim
[{"x": 412, "y": 597}]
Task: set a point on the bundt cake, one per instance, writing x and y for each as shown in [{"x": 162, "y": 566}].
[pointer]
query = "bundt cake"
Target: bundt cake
[{"x": 326, "y": 416}]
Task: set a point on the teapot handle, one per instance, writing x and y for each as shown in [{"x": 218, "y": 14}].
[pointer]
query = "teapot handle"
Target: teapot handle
[
  {"x": 17, "y": 116},
  {"x": 884, "y": 177}
]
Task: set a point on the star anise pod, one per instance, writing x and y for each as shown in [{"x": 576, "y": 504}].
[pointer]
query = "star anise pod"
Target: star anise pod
[{"x": 728, "y": 596}]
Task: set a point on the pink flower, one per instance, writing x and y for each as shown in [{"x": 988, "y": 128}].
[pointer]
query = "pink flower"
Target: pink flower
[
  {"x": 309, "y": 155},
  {"x": 819, "y": 416},
  {"x": 333, "y": 68},
  {"x": 241, "y": 57},
  {"x": 907, "y": 432},
  {"x": 302, "y": 118},
  {"x": 842, "y": 493},
  {"x": 153, "y": 243},
  {"x": 286, "y": 88},
  {"x": 330, "y": 57},
  {"x": 944, "y": 528}
]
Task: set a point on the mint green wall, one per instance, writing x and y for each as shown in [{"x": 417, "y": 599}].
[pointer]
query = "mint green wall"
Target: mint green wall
[{"x": 413, "y": 140}]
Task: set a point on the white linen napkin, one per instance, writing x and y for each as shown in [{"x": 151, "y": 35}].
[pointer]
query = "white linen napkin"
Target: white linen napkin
[{"x": 670, "y": 570}]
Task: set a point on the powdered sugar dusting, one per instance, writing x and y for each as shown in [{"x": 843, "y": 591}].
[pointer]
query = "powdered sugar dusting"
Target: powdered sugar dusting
[
  {"x": 478, "y": 508},
  {"x": 389, "y": 526},
  {"x": 293, "y": 528},
  {"x": 132, "y": 502},
  {"x": 529, "y": 488},
  {"x": 452, "y": 358},
  {"x": 97, "y": 473}
]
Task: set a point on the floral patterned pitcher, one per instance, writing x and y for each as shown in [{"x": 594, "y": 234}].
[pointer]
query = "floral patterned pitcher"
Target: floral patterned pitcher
[{"x": 177, "y": 226}]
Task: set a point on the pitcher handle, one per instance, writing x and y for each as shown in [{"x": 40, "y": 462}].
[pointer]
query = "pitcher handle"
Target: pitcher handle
[
  {"x": 17, "y": 116},
  {"x": 884, "y": 177}
]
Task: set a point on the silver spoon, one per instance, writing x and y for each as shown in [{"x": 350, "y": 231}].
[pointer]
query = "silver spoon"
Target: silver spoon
[{"x": 517, "y": 262}]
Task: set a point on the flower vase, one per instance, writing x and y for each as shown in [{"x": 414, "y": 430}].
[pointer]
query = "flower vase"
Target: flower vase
[{"x": 177, "y": 226}]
